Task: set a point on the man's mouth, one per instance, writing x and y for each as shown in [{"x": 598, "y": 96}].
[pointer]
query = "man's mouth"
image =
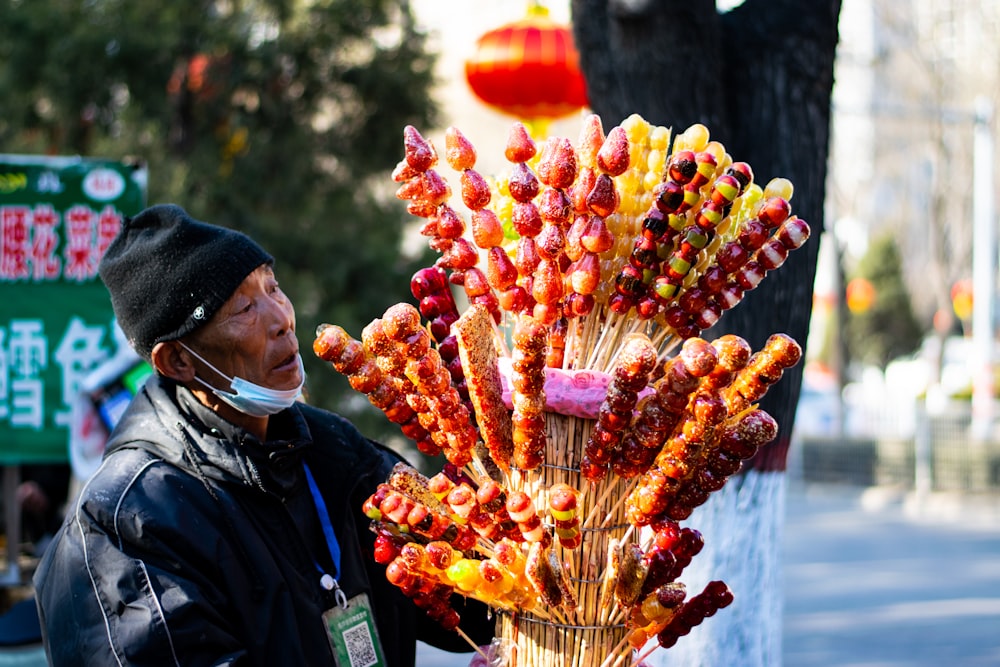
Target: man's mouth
[{"x": 290, "y": 360}]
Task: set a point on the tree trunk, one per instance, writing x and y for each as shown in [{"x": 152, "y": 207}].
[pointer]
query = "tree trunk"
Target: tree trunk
[{"x": 760, "y": 77}]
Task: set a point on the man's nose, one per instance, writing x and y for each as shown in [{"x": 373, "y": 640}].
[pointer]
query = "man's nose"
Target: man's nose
[{"x": 283, "y": 316}]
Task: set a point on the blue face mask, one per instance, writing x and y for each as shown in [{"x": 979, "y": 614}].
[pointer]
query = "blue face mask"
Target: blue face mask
[{"x": 249, "y": 398}]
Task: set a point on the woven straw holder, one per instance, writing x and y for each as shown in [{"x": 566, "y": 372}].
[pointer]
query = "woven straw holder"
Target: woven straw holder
[{"x": 586, "y": 637}]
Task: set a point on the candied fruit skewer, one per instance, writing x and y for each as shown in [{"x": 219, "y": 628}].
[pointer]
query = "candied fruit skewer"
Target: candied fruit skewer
[
  {"x": 476, "y": 339},
  {"x": 632, "y": 572},
  {"x": 386, "y": 392},
  {"x": 652, "y": 613},
  {"x": 523, "y": 187},
  {"x": 602, "y": 201},
  {"x": 412, "y": 482},
  {"x": 563, "y": 506},
  {"x": 744, "y": 269},
  {"x": 463, "y": 502},
  {"x": 658, "y": 485},
  {"x": 715, "y": 596},
  {"x": 521, "y": 509},
  {"x": 588, "y": 238},
  {"x": 487, "y": 232},
  {"x": 389, "y": 504},
  {"x": 672, "y": 549},
  {"x": 541, "y": 577},
  {"x": 436, "y": 303},
  {"x": 427, "y": 592},
  {"x": 696, "y": 238},
  {"x": 646, "y": 150},
  {"x": 662, "y": 411},
  {"x": 432, "y": 380},
  {"x": 570, "y": 601},
  {"x": 684, "y": 455},
  {"x": 738, "y": 442},
  {"x": 764, "y": 368},
  {"x": 588, "y": 234},
  {"x": 746, "y": 275},
  {"x": 549, "y": 580},
  {"x": 528, "y": 393},
  {"x": 429, "y": 193},
  {"x": 492, "y": 497},
  {"x": 631, "y": 373},
  {"x": 557, "y": 170}
]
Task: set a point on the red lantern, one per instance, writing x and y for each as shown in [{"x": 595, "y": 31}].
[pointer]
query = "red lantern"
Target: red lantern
[{"x": 529, "y": 69}]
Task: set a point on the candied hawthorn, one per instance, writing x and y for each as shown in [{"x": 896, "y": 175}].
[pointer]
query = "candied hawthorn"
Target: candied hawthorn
[
  {"x": 603, "y": 198},
  {"x": 418, "y": 151},
  {"x": 613, "y": 156},
  {"x": 557, "y": 164},
  {"x": 475, "y": 190},
  {"x": 522, "y": 184},
  {"x": 458, "y": 151},
  {"x": 520, "y": 146},
  {"x": 682, "y": 166},
  {"x": 487, "y": 231}
]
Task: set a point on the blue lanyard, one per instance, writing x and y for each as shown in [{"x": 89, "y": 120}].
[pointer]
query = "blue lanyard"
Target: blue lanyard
[{"x": 326, "y": 581}]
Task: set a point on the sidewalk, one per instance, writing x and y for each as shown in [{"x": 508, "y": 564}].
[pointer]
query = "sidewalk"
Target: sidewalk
[
  {"x": 876, "y": 579},
  {"x": 879, "y": 579}
]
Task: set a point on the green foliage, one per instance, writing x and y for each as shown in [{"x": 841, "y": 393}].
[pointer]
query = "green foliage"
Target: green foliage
[
  {"x": 888, "y": 329},
  {"x": 280, "y": 118}
]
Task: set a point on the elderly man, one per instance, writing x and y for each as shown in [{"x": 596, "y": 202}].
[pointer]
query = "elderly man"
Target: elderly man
[{"x": 224, "y": 526}]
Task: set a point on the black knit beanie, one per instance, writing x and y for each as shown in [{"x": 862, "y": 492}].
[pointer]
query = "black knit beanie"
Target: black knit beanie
[{"x": 168, "y": 273}]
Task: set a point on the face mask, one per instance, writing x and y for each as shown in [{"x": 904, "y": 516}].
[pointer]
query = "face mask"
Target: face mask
[{"x": 249, "y": 398}]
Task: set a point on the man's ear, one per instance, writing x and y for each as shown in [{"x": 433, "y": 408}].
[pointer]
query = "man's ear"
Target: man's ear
[{"x": 173, "y": 361}]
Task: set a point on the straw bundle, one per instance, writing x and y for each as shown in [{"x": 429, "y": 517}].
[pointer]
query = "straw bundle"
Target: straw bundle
[{"x": 588, "y": 637}]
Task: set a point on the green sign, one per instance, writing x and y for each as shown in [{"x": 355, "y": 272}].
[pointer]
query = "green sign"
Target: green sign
[{"x": 57, "y": 217}]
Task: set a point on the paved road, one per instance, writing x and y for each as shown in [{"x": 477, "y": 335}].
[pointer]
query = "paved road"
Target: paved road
[{"x": 875, "y": 579}]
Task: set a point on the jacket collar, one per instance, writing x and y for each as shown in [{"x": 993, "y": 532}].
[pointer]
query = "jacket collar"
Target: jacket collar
[{"x": 167, "y": 420}]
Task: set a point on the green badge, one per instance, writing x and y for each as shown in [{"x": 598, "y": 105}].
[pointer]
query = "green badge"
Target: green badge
[{"x": 353, "y": 635}]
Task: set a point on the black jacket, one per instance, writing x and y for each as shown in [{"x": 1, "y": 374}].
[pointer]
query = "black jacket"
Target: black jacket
[{"x": 196, "y": 544}]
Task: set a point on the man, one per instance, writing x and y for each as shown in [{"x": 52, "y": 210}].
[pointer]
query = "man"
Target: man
[{"x": 224, "y": 526}]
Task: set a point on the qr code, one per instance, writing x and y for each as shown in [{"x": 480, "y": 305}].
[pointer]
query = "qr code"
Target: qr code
[{"x": 360, "y": 649}]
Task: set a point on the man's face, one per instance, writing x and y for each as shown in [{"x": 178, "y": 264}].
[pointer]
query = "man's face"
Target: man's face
[{"x": 252, "y": 336}]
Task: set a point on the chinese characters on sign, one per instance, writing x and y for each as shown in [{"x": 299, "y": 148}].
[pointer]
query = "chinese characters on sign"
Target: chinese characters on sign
[{"x": 57, "y": 218}]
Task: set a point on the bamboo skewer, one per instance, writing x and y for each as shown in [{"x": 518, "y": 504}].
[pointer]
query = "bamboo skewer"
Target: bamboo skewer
[
  {"x": 648, "y": 652},
  {"x": 473, "y": 644}
]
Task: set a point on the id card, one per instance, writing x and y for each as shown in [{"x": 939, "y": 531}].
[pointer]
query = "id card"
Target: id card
[{"x": 353, "y": 635}]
